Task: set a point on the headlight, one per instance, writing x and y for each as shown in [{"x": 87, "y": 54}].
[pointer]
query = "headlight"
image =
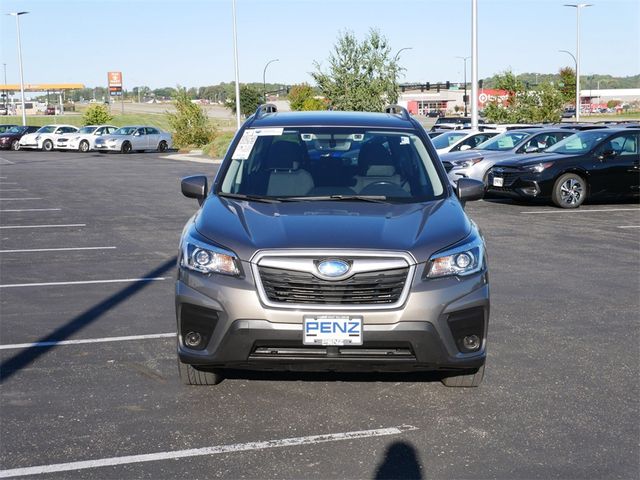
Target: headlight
[
  {"x": 462, "y": 260},
  {"x": 467, "y": 163},
  {"x": 204, "y": 258},
  {"x": 540, "y": 167}
]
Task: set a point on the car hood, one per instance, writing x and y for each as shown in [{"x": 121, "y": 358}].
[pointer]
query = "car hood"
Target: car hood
[
  {"x": 112, "y": 137},
  {"x": 531, "y": 159},
  {"x": 469, "y": 154},
  {"x": 247, "y": 227}
]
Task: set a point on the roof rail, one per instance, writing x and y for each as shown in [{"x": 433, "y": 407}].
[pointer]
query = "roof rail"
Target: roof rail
[
  {"x": 397, "y": 110},
  {"x": 264, "y": 109}
]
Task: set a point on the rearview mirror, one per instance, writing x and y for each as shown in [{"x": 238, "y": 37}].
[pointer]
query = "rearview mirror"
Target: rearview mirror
[
  {"x": 194, "y": 186},
  {"x": 469, "y": 189}
]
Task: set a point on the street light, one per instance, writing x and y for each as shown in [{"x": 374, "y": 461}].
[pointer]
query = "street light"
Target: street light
[
  {"x": 577, "y": 6},
  {"x": 464, "y": 59},
  {"x": 17, "y": 15},
  {"x": 474, "y": 63},
  {"x": 395, "y": 59},
  {"x": 235, "y": 56},
  {"x": 264, "y": 78}
]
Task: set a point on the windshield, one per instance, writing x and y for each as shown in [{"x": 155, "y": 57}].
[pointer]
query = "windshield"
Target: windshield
[
  {"x": 503, "y": 142},
  {"x": 578, "y": 143},
  {"x": 317, "y": 163},
  {"x": 125, "y": 131},
  {"x": 86, "y": 130},
  {"x": 447, "y": 139},
  {"x": 47, "y": 129},
  {"x": 16, "y": 129}
]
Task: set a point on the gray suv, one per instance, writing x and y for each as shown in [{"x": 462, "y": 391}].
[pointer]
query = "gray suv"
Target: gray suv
[{"x": 332, "y": 241}]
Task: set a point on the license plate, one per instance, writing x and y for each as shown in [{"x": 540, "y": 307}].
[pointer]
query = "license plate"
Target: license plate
[
  {"x": 498, "y": 181},
  {"x": 332, "y": 330}
]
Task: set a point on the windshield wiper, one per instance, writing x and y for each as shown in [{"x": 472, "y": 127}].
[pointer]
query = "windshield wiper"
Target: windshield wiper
[
  {"x": 360, "y": 198},
  {"x": 253, "y": 198}
]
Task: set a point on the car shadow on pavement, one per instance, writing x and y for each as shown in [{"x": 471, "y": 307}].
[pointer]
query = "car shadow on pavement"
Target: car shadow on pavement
[
  {"x": 19, "y": 361},
  {"x": 400, "y": 461},
  {"x": 302, "y": 376}
]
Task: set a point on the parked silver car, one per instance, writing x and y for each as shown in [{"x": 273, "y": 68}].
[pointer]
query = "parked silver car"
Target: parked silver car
[
  {"x": 475, "y": 163},
  {"x": 138, "y": 138}
]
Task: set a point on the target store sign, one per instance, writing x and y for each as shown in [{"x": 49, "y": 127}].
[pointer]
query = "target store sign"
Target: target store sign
[{"x": 487, "y": 95}]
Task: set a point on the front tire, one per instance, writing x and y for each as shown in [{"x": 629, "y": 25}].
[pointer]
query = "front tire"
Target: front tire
[
  {"x": 569, "y": 191},
  {"x": 191, "y": 375},
  {"x": 84, "y": 146},
  {"x": 126, "y": 147},
  {"x": 471, "y": 379},
  {"x": 47, "y": 145},
  {"x": 162, "y": 146},
  {"x": 15, "y": 145}
]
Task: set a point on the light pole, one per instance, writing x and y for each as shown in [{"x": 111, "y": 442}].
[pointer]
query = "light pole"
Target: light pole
[
  {"x": 395, "y": 58},
  {"x": 6, "y": 92},
  {"x": 17, "y": 15},
  {"x": 464, "y": 59},
  {"x": 264, "y": 78},
  {"x": 474, "y": 63},
  {"x": 577, "y": 6},
  {"x": 235, "y": 56}
]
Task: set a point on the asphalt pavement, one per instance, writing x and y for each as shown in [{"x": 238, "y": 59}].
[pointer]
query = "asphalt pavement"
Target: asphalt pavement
[{"x": 87, "y": 349}]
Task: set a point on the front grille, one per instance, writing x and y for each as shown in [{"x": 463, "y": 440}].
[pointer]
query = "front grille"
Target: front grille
[
  {"x": 510, "y": 175},
  {"x": 373, "y": 288}
]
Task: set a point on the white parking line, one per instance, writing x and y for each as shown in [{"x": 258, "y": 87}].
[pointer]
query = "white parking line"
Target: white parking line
[
  {"x": 5, "y": 160},
  {"x": 583, "y": 210},
  {"x": 197, "y": 452},
  {"x": 16, "y": 346},
  {"x": 84, "y": 282},
  {"x": 45, "y": 226},
  {"x": 65, "y": 249},
  {"x": 2, "y": 190},
  {"x": 8, "y": 183},
  {"x": 31, "y": 210},
  {"x": 27, "y": 198},
  {"x": 630, "y": 226}
]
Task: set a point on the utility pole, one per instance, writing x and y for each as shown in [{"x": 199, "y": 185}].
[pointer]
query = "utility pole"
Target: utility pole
[
  {"x": 466, "y": 99},
  {"x": 474, "y": 63},
  {"x": 235, "y": 56}
]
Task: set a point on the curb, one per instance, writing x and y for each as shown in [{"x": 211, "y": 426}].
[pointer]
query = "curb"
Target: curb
[{"x": 193, "y": 156}]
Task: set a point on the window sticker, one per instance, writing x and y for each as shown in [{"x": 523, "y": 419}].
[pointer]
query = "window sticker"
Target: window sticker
[
  {"x": 266, "y": 132},
  {"x": 245, "y": 145},
  {"x": 404, "y": 140}
]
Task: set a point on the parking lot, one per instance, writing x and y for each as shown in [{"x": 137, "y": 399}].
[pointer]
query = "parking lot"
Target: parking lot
[{"x": 87, "y": 349}]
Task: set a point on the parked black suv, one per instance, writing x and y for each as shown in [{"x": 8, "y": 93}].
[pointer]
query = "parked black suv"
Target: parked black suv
[
  {"x": 590, "y": 163},
  {"x": 332, "y": 241}
]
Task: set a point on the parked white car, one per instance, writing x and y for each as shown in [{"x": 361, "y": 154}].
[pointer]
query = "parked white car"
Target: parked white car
[
  {"x": 460, "y": 140},
  {"x": 84, "y": 139},
  {"x": 46, "y": 137},
  {"x": 138, "y": 138}
]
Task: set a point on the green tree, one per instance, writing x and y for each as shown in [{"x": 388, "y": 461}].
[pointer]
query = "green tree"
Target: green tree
[
  {"x": 524, "y": 105},
  {"x": 568, "y": 84},
  {"x": 298, "y": 94},
  {"x": 314, "y": 104},
  {"x": 96, "y": 114},
  {"x": 250, "y": 99},
  {"x": 190, "y": 124},
  {"x": 362, "y": 75}
]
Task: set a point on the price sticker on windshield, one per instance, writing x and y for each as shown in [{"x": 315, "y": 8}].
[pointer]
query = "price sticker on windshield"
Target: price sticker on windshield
[{"x": 245, "y": 145}]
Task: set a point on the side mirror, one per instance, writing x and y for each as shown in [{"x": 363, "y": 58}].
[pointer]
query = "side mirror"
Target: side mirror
[
  {"x": 136, "y": 134},
  {"x": 469, "y": 189},
  {"x": 194, "y": 186},
  {"x": 531, "y": 149},
  {"x": 465, "y": 147}
]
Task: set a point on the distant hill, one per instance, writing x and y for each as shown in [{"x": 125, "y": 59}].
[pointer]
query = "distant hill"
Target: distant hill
[{"x": 586, "y": 81}]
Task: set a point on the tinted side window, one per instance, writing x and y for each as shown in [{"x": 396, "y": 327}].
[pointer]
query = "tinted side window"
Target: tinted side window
[
  {"x": 152, "y": 131},
  {"x": 140, "y": 131}
]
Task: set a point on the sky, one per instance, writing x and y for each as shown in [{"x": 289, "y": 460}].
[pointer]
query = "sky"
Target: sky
[{"x": 161, "y": 43}]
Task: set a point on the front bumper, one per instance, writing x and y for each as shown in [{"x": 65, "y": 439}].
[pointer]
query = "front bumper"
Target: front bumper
[
  {"x": 521, "y": 185},
  {"x": 109, "y": 147},
  {"x": 419, "y": 335}
]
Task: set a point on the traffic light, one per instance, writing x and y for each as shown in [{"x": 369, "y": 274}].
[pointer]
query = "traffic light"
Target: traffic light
[
  {"x": 428, "y": 85},
  {"x": 438, "y": 87},
  {"x": 448, "y": 85},
  {"x": 480, "y": 83}
]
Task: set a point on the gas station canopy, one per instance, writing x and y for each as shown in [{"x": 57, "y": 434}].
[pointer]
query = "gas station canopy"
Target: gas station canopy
[{"x": 41, "y": 87}]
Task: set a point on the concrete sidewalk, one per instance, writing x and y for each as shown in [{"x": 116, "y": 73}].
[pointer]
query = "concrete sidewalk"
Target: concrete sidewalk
[{"x": 193, "y": 156}]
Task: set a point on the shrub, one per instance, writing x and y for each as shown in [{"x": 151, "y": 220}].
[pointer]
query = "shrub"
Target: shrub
[
  {"x": 96, "y": 115},
  {"x": 190, "y": 124}
]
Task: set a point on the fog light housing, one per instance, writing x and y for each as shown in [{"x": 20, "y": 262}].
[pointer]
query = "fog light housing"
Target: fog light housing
[
  {"x": 471, "y": 342},
  {"x": 192, "y": 339}
]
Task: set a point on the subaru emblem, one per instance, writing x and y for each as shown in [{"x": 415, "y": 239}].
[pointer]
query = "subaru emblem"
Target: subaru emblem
[{"x": 333, "y": 268}]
